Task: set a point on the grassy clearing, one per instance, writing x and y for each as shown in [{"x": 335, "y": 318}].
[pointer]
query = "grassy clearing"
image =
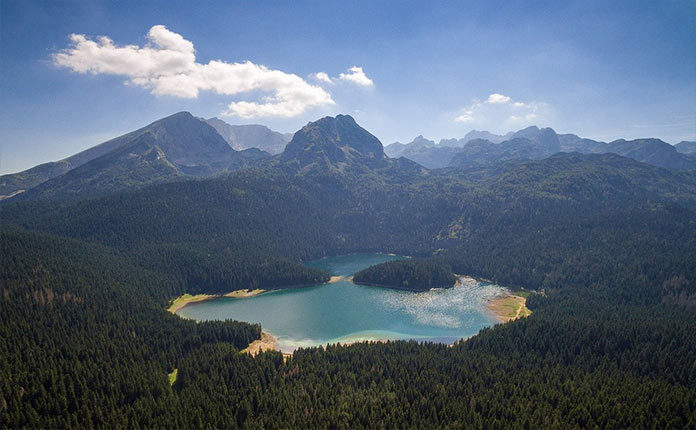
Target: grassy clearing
[
  {"x": 509, "y": 307},
  {"x": 245, "y": 293},
  {"x": 172, "y": 376}
]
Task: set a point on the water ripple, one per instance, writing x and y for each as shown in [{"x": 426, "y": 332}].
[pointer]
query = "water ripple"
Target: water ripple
[{"x": 442, "y": 307}]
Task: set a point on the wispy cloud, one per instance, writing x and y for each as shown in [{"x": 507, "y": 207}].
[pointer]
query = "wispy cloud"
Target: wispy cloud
[
  {"x": 499, "y": 109},
  {"x": 354, "y": 75},
  {"x": 357, "y": 76},
  {"x": 323, "y": 77},
  {"x": 167, "y": 65}
]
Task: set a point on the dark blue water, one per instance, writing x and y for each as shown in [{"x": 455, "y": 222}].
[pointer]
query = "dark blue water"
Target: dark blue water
[{"x": 345, "y": 312}]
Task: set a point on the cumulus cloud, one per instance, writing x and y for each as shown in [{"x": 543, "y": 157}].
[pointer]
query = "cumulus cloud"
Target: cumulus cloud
[
  {"x": 323, "y": 77},
  {"x": 499, "y": 109},
  {"x": 496, "y": 98},
  {"x": 167, "y": 65},
  {"x": 357, "y": 76}
]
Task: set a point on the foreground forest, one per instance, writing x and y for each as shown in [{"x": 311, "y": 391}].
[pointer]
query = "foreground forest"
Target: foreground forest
[{"x": 608, "y": 243}]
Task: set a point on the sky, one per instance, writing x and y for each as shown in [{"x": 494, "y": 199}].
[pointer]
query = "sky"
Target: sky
[{"x": 76, "y": 73}]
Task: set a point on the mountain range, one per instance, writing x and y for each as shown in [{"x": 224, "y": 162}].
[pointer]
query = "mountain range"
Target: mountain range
[
  {"x": 182, "y": 146},
  {"x": 482, "y": 148}
]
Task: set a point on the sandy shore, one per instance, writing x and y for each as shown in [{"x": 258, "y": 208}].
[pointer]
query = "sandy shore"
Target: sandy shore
[
  {"x": 335, "y": 279},
  {"x": 508, "y": 307},
  {"x": 186, "y": 299},
  {"x": 267, "y": 342}
]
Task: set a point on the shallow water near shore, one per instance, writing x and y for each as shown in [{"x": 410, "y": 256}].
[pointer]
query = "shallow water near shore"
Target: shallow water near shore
[{"x": 345, "y": 312}]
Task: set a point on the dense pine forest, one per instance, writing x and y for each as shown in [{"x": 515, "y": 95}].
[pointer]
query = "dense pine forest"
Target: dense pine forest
[{"x": 608, "y": 245}]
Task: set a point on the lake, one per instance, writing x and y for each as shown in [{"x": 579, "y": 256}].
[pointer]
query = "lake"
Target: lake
[{"x": 345, "y": 312}]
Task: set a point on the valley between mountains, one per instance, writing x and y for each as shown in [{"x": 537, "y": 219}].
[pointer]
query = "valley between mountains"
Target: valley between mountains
[{"x": 598, "y": 239}]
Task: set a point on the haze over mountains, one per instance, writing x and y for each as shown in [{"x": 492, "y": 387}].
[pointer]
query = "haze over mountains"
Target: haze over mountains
[
  {"x": 182, "y": 146},
  {"x": 242, "y": 137},
  {"x": 483, "y": 148}
]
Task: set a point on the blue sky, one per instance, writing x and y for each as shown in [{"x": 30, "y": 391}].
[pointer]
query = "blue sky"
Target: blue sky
[{"x": 603, "y": 70}]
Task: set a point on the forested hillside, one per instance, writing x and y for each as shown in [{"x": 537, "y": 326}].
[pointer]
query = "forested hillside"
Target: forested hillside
[{"x": 85, "y": 340}]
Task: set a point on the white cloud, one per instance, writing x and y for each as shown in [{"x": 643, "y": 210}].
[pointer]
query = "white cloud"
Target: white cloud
[
  {"x": 322, "y": 76},
  {"x": 496, "y": 98},
  {"x": 167, "y": 65},
  {"x": 356, "y": 76},
  {"x": 499, "y": 110},
  {"x": 466, "y": 116}
]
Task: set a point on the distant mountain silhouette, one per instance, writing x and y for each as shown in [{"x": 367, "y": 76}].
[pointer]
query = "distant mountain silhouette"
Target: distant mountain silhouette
[
  {"x": 686, "y": 147},
  {"x": 534, "y": 143},
  {"x": 241, "y": 137},
  {"x": 424, "y": 152}
]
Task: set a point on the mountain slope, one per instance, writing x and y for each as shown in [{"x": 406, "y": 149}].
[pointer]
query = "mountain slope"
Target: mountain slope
[
  {"x": 535, "y": 143},
  {"x": 686, "y": 147},
  {"x": 177, "y": 146},
  {"x": 337, "y": 145},
  {"x": 241, "y": 137},
  {"x": 652, "y": 151},
  {"x": 419, "y": 143},
  {"x": 476, "y": 134},
  {"x": 528, "y": 144},
  {"x": 30, "y": 178},
  {"x": 573, "y": 143}
]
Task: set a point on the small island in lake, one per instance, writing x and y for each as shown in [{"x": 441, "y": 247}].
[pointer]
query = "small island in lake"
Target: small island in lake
[{"x": 412, "y": 275}]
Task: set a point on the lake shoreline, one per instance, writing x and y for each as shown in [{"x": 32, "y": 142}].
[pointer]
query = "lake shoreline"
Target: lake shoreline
[
  {"x": 186, "y": 299},
  {"x": 441, "y": 315}
]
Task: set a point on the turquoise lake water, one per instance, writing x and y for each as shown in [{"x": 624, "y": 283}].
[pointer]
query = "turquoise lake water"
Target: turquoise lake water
[{"x": 343, "y": 311}]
